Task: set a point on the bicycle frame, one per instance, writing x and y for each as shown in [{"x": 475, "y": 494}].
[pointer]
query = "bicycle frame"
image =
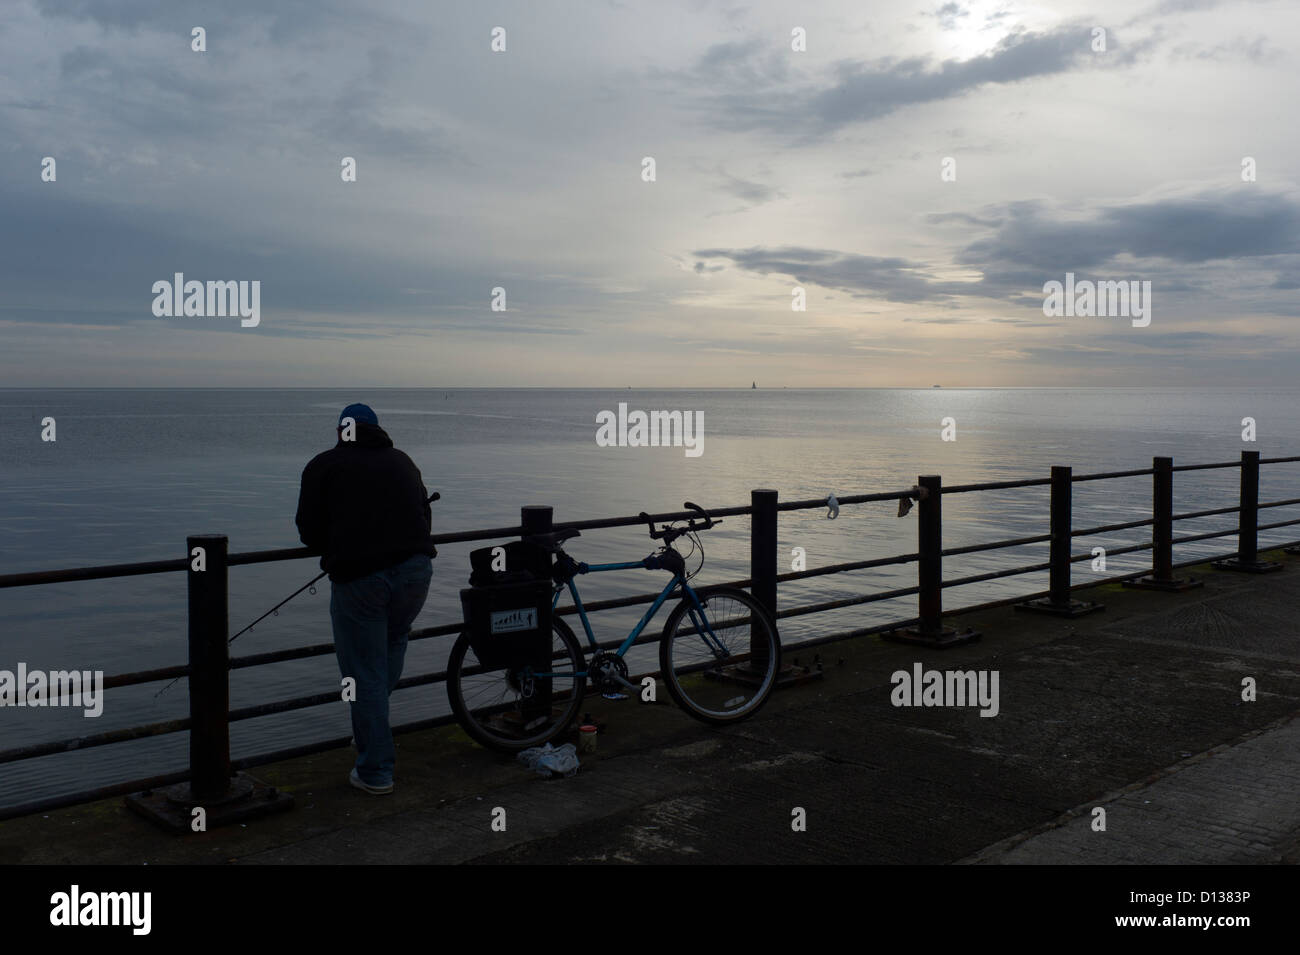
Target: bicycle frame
[{"x": 696, "y": 610}]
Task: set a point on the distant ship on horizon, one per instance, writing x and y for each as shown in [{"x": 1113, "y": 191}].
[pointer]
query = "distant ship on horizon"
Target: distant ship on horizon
[{"x": 753, "y": 386}]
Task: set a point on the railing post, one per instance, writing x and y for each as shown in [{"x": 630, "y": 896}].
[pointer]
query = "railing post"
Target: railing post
[
  {"x": 763, "y": 561},
  {"x": 762, "y": 548},
  {"x": 1058, "y": 603},
  {"x": 537, "y": 519},
  {"x": 212, "y": 797},
  {"x": 1247, "y": 559},
  {"x": 929, "y": 535},
  {"x": 762, "y": 566},
  {"x": 930, "y": 556},
  {"x": 209, "y": 667},
  {"x": 1162, "y": 534}
]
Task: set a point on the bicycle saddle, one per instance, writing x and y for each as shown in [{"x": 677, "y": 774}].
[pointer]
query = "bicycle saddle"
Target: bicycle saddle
[{"x": 554, "y": 539}]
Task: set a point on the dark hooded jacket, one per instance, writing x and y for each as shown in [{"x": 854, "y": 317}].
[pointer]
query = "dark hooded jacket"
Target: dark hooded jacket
[{"x": 364, "y": 506}]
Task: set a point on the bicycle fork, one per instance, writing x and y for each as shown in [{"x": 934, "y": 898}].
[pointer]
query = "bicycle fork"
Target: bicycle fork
[{"x": 705, "y": 631}]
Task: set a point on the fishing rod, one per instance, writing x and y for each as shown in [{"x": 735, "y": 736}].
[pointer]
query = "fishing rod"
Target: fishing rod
[{"x": 309, "y": 585}]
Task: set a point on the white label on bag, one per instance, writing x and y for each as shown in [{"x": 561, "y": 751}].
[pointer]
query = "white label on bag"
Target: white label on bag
[{"x": 508, "y": 621}]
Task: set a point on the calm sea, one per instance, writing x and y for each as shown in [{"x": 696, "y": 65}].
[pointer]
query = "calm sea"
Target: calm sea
[{"x": 132, "y": 472}]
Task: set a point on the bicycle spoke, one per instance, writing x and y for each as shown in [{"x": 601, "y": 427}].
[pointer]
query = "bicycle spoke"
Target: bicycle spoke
[
  {"x": 721, "y": 665},
  {"x": 507, "y": 707}
]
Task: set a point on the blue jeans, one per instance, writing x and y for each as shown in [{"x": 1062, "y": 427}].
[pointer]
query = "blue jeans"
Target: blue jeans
[{"x": 372, "y": 617}]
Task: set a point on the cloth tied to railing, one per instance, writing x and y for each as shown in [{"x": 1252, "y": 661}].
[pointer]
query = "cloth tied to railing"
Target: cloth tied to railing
[{"x": 917, "y": 493}]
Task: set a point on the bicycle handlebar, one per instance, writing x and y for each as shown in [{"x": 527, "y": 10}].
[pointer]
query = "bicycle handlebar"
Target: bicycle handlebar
[{"x": 670, "y": 533}]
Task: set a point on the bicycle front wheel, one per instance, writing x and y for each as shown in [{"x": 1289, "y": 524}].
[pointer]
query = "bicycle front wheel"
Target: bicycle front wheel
[
  {"x": 720, "y": 665},
  {"x": 512, "y": 706}
]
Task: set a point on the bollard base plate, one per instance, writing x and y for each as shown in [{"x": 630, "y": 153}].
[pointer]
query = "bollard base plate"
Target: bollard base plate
[
  {"x": 1173, "y": 585},
  {"x": 1247, "y": 567},
  {"x": 947, "y": 637},
  {"x": 246, "y": 798},
  {"x": 1071, "y": 608},
  {"x": 788, "y": 675}
]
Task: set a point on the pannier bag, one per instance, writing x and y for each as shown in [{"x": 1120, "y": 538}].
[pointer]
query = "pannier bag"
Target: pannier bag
[
  {"x": 518, "y": 558},
  {"x": 508, "y": 612}
]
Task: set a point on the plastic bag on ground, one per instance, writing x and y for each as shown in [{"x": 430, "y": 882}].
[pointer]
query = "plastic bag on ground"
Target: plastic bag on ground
[{"x": 551, "y": 760}]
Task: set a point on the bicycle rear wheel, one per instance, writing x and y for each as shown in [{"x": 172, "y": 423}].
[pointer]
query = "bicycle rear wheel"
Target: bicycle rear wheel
[
  {"x": 720, "y": 668},
  {"x": 504, "y": 707}
]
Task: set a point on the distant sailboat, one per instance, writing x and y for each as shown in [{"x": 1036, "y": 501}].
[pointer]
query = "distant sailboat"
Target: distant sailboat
[{"x": 753, "y": 386}]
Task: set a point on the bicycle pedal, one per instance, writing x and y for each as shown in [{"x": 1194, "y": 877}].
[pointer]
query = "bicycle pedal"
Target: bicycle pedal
[{"x": 614, "y": 696}]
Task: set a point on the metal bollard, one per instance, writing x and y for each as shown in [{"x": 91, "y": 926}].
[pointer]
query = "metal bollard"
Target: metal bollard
[
  {"x": 929, "y": 534},
  {"x": 212, "y": 794},
  {"x": 762, "y": 559},
  {"x": 1247, "y": 559},
  {"x": 1059, "y": 603},
  {"x": 1162, "y": 534}
]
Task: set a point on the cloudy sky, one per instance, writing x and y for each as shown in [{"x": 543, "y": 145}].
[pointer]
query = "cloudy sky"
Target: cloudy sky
[{"x": 523, "y": 169}]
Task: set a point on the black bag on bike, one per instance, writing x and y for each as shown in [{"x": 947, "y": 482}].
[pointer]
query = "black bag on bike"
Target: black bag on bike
[
  {"x": 518, "y": 559},
  {"x": 508, "y": 611}
]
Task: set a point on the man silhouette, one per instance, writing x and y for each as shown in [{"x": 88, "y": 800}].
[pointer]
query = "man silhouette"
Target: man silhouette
[{"x": 363, "y": 505}]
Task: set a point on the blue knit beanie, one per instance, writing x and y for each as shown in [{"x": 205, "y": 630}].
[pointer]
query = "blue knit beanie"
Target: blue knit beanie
[{"x": 360, "y": 414}]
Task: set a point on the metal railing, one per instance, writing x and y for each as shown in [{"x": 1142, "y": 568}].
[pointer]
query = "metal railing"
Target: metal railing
[{"x": 210, "y": 662}]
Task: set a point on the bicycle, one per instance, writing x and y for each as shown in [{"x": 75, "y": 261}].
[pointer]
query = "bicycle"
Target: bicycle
[{"x": 719, "y": 652}]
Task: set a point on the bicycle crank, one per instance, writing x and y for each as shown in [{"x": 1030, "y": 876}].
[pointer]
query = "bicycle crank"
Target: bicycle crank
[{"x": 607, "y": 672}]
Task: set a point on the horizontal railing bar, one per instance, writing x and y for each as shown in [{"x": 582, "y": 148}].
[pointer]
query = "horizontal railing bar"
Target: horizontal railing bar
[
  {"x": 995, "y": 545},
  {"x": 1113, "y": 552},
  {"x": 994, "y": 575},
  {"x": 1203, "y": 537},
  {"x": 441, "y": 630},
  {"x": 1108, "y": 528},
  {"x": 1190, "y": 515},
  {"x": 846, "y": 602},
  {"x": 810, "y": 503},
  {"x": 92, "y": 573},
  {"x": 266, "y": 556},
  {"x": 1206, "y": 467},
  {"x": 279, "y": 656},
  {"x": 283, "y": 706},
  {"x": 995, "y": 485},
  {"x": 1286, "y": 503},
  {"x": 1279, "y": 460},
  {"x": 613, "y": 603},
  {"x": 99, "y": 739},
  {"x": 1269, "y": 527},
  {"x": 840, "y": 568},
  {"x": 294, "y": 553},
  {"x": 1107, "y": 475},
  {"x": 667, "y": 516},
  {"x": 146, "y": 676},
  {"x": 321, "y": 649}
]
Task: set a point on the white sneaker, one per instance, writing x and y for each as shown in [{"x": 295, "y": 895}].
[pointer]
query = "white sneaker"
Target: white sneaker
[{"x": 362, "y": 784}]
